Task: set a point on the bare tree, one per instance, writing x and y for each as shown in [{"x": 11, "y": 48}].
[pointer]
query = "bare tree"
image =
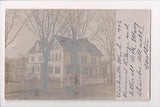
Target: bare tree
[
  {"x": 106, "y": 41},
  {"x": 12, "y": 29},
  {"x": 80, "y": 22},
  {"x": 47, "y": 25}
]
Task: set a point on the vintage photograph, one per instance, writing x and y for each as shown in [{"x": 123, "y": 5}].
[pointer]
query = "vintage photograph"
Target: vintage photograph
[{"x": 60, "y": 54}]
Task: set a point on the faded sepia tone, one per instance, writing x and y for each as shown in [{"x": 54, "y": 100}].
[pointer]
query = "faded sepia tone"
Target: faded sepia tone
[{"x": 60, "y": 54}]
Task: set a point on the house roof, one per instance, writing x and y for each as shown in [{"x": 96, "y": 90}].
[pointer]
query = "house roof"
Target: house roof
[
  {"x": 69, "y": 45},
  {"x": 33, "y": 49}
]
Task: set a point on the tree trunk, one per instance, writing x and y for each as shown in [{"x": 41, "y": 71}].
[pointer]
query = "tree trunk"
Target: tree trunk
[
  {"x": 110, "y": 78},
  {"x": 45, "y": 72},
  {"x": 81, "y": 76}
]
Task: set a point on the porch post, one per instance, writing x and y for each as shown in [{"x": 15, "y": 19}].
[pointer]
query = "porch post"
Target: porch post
[
  {"x": 62, "y": 76},
  {"x": 81, "y": 74}
]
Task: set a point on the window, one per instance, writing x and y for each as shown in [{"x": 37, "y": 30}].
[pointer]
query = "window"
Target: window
[
  {"x": 32, "y": 58},
  {"x": 85, "y": 59},
  {"x": 68, "y": 70},
  {"x": 49, "y": 58},
  {"x": 90, "y": 71},
  {"x": 39, "y": 57},
  {"x": 81, "y": 59},
  {"x": 71, "y": 57},
  {"x": 59, "y": 57},
  {"x": 85, "y": 70},
  {"x": 32, "y": 70},
  {"x": 57, "y": 70},
  {"x": 94, "y": 60},
  {"x": 52, "y": 57},
  {"x": 96, "y": 71},
  {"x": 51, "y": 69},
  {"x": 91, "y": 60},
  {"x": 56, "y": 57},
  {"x": 37, "y": 69}
]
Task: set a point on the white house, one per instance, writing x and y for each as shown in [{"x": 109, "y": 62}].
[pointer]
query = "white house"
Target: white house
[{"x": 60, "y": 63}]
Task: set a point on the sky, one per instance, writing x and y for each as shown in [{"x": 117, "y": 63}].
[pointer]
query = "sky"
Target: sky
[{"x": 26, "y": 39}]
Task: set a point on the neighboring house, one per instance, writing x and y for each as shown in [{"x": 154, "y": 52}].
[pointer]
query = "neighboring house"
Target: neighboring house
[
  {"x": 61, "y": 62},
  {"x": 15, "y": 72},
  {"x": 20, "y": 72}
]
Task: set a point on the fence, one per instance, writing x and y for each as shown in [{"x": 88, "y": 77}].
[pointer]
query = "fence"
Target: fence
[
  {"x": 18, "y": 87},
  {"x": 94, "y": 81},
  {"x": 86, "y": 81},
  {"x": 27, "y": 86}
]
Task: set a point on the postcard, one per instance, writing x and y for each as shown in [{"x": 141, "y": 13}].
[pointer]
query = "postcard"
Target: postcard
[{"x": 77, "y": 54}]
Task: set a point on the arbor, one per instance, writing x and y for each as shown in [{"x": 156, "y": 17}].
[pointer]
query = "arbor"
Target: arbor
[{"x": 47, "y": 25}]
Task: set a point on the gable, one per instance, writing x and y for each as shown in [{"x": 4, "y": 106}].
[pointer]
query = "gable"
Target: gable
[
  {"x": 56, "y": 45},
  {"x": 37, "y": 47}
]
